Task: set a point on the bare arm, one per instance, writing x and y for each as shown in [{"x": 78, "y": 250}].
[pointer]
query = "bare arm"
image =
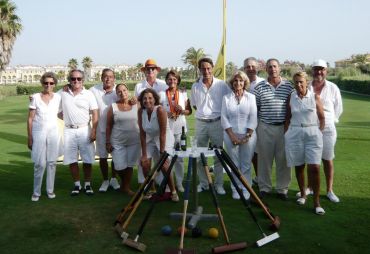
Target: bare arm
[
  {"x": 31, "y": 116},
  {"x": 288, "y": 115},
  {"x": 320, "y": 112},
  {"x": 94, "y": 119},
  {"x": 108, "y": 130},
  {"x": 162, "y": 122}
]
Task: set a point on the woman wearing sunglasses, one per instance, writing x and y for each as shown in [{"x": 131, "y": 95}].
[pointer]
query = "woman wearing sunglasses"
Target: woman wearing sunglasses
[{"x": 43, "y": 135}]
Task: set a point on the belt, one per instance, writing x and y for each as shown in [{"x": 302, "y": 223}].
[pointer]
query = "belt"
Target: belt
[
  {"x": 277, "y": 124},
  {"x": 75, "y": 126},
  {"x": 304, "y": 125},
  {"x": 209, "y": 120}
]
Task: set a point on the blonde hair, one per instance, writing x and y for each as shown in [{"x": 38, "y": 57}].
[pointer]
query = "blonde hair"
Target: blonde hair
[{"x": 243, "y": 76}]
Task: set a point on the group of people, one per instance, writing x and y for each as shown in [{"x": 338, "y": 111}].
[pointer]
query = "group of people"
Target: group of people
[{"x": 257, "y": 120}]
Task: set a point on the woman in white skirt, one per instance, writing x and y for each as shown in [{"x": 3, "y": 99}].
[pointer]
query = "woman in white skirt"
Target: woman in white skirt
[
  {"x": 239, "y": 120},
  {"x": 155, "y": 134},
  {"x": 43, "y": 134},
  {"x": 122, "y": 136},
  {"x": 303, "y": 138},
  {"x": 177, "y": 105}
]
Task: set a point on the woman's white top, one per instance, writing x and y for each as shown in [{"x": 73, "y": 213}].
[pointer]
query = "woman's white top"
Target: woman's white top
[
  {"x": 46, "y": 114},
  {"x": 175, "y": 124},
  {"x": 125, "y": 128}
]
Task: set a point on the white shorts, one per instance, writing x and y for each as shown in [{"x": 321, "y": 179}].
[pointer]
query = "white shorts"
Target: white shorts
[
  {"x": 329, "y": 139},
  {"x": 101, "y": 149},
  {"x": 303, "y": 145},
  {"x": 125, "y": 156},
  {"x": 77, "y": 142}
]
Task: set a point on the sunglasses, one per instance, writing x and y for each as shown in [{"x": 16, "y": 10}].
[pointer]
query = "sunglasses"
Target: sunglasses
[
  {"x": 151, "y": 68},
  {"x": 49, "y": 83},
  {"x": 74, "y": 79}
]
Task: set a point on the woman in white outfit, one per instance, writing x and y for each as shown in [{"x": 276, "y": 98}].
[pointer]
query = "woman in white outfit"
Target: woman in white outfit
[
  {"x": 303, "y": 138},
  {"x": 155, "y": 133},
  {"x": 239, "y": 120},
  {"x": 177, "y": 105},
  {"x": 43, "y": 134},
  {"x": 122, "y": 136}
]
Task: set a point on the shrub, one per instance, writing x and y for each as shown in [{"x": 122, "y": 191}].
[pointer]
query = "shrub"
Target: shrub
[{"x": 356, "y": 86}]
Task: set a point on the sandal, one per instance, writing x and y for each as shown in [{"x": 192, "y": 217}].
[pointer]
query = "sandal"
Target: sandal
[{"x": 319, "y": 210}]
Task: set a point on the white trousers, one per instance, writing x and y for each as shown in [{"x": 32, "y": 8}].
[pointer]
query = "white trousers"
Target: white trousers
[
  {"x": 271, "y": 147},
  {"x": 242, "y": 156},
  {"x": 38, "y": 175},
  {"x": 205, "y": 133}
]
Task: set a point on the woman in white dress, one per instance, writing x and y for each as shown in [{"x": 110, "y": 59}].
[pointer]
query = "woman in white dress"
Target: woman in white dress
[
  {"x": 122, "y": 136},
  {"x": 155, "y": 134},
  {"x": 177, "y": 105},
  {"x": 303, "y": 138},
  {"x": 43, "y": 134},
  {"x": 239, "y": 120}
]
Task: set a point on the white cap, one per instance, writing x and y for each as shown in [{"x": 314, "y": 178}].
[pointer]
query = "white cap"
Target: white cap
[{"x": 320, "y": 63}]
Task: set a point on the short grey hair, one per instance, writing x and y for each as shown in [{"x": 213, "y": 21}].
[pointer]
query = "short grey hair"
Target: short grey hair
[
  {"x": 49, "y": 74},
  {"x": 75, "y": 70}
]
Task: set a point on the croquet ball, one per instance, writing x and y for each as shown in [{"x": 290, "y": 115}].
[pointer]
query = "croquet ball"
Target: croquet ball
[
  {"x": 166, "y": 230},
  {"x": 196, "y": 232},
  {"x": 213, "y": 233},
  {"x": 179, "y": 230}
]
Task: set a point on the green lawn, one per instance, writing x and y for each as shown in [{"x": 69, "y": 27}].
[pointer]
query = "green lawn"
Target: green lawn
[{"x": 84, "y": 224}]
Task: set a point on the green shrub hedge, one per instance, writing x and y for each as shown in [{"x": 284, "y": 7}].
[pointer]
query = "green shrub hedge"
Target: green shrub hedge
[
  {"x": 31, "y": 89},
  {"x": 356, "y": 86}
]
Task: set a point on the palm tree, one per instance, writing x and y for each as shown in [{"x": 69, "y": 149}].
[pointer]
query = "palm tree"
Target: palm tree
[
  {"x": 72, "y": 63},
  {"x": 10, "y": 27},
  {"x": 191, "y": 58},
  {"x": 86, "y": 64}
]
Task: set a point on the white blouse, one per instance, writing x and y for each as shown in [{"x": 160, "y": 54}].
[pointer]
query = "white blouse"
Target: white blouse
[{"x": 241, "y": 115}]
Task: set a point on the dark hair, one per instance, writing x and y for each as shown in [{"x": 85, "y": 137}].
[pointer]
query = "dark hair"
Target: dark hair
[
  {"x": 75, "y": 70},
  {"x": 272, "y": 59},
  {"x": 205, "y": 60},
  {"x": 174, "y": 73},
  {"x": 49, "y": 74},
  {"x": 106, "y": 70},
  {"x": 153, "y": 92}
]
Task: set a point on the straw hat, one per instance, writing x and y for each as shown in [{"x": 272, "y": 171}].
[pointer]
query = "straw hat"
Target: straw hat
[{"x": 150, "y": 63}]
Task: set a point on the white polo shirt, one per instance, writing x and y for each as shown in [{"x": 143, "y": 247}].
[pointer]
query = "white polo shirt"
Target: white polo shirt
[
  {"x": 104, "y": 101},
  {"x": 208, "y": 101},
  {"x": 76, "y": 108},
  {"x": 332, "y": 102},
  {"x": 254, "y": 83},
  {"x": 158, "y": 86}
]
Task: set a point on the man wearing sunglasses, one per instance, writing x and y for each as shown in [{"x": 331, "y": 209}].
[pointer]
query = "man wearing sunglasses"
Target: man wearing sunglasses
[
  {"x": 150, "y": 70},
  {"x": 79, "y": 135}
]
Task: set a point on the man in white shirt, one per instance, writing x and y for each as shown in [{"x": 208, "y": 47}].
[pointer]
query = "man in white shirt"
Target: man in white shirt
[
  {"x": 77, "y": 103},
  {"x": 105, "y": 95},
  {"x": 151, "y": 70},
  {"x": 206, "y": 99},
  {"x": 332, "y": 102},
  {"x": 251, "y": 68}
]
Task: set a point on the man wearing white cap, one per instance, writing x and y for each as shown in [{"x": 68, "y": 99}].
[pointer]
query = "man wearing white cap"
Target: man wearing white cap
[
  {"x": 150, "y": 70},
  {"x": 332, "y": 102}
]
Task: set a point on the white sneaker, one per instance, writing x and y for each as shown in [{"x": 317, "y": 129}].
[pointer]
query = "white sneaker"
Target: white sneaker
[
  {"x": 246, "y": 194},
  {"x": 220, "y": 190},
  {"x": 35, "y": 198},
  {"x": 332, "y": 197},
  {"x": 235, "y": 195},
  {"x": 114, "y": 183},
  {"x": 201, "y": 188},
  {"x": 51, "y": 195},
  {"x": 308, "y": 192},
  {"x": 104, "y": 186}
]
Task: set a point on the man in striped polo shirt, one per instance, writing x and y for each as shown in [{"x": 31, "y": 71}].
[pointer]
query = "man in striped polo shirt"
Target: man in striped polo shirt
[{"x": 272, "y": 97}]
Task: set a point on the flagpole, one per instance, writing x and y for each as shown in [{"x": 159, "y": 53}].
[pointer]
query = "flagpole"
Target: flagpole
[{"x": 219, "y": 70}]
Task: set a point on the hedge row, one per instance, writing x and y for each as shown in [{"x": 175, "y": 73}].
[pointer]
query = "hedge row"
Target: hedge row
[
  {"x": 356, "y": 86},
  {"x": 31, "y": 89}
]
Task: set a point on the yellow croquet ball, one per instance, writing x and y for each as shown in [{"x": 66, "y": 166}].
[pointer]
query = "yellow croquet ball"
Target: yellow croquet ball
[{"x": 213, "y": 233}]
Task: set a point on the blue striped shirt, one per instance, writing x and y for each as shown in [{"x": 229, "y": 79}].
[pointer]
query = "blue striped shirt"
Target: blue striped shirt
[{"x": 271, "y": 102}]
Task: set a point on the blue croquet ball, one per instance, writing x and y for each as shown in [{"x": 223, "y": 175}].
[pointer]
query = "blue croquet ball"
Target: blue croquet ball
[
  {"x": 196, "y": 232},
  {"x": 166, "y": 230}
]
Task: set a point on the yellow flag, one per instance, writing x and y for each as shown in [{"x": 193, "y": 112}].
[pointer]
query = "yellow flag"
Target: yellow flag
[{"x": 219, "y": 71}]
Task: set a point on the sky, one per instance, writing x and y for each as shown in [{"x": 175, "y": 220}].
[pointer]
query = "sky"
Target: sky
[{"x": 131, "y": 31}]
